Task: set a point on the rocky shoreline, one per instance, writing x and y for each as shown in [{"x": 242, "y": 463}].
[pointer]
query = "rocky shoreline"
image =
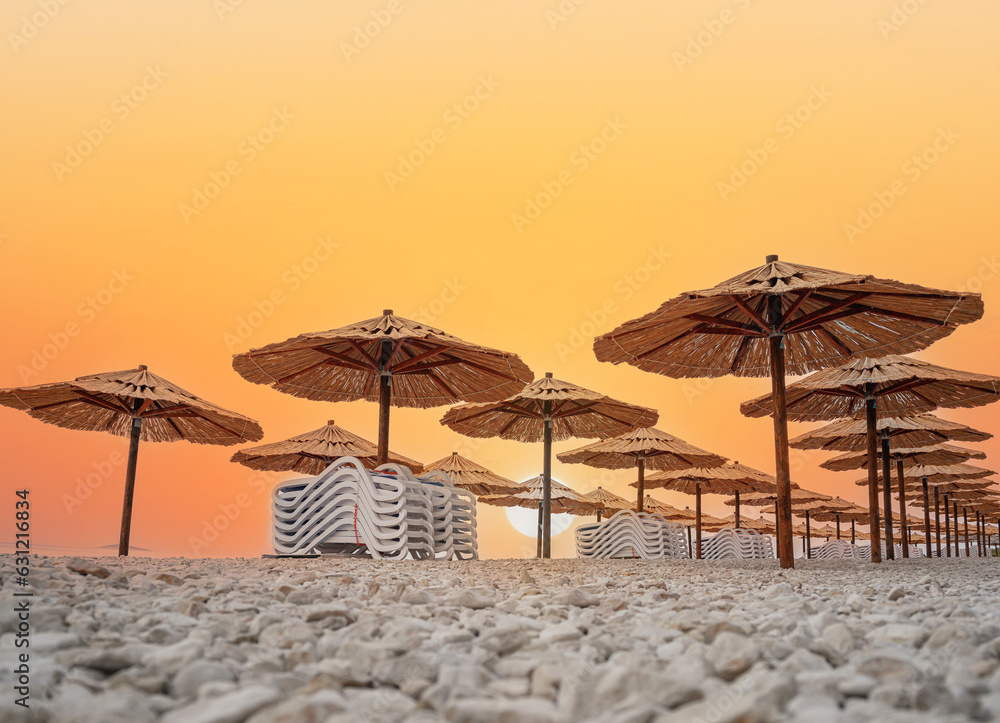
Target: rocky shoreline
[{"x": 139, "y": 640}]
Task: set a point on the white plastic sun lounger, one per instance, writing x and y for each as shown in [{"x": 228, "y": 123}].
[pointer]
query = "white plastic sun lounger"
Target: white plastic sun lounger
[
  {"x": 733, "y": 544},
  {"x": 387, "y": 513}
]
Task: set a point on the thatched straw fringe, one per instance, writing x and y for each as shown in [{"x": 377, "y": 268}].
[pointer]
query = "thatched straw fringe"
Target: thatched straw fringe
[
  {"x": 848, "y": 435},
  {"x": 901, "y": 384},
  {"x": 764, "y": 499},
  {"x": 937, "y": 473},
  {"x": 429, "y": 367},
  {"x": 96, "y": 403},
  {"x": 723, "y": 330}
]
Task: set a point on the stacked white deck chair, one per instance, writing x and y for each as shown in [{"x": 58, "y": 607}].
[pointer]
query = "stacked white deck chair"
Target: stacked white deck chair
[
  {"x": 839, "y": 550},
  {"x": 632, "y": 534},
  {"x": 385, "y": 513},
  {"x": 865, "y": 553},
  {"x": 739, "y": 544}
]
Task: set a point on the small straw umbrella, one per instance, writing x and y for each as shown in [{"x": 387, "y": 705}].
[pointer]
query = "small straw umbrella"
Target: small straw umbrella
[
  {"x": 673, "y": 514},
  {"x": 950, "y": 489},
  {"x": 938, "y": 454},
  {"x": 312, "y": 452},
  {"x": 785, "y": 317},
  {"x": 136, "y": 403},
  {"x": 907, "y": 432},
  {"x": 803, "y": 509},
  {"x": 840, "y": 510},
  {"x": 468, "y": 475},
  {"x": 549, "y": 409},
  {"x": 647, "y": 448},
  {"x": 729, "y": 479},
  {"x": 531, "y": 494},
  {"x": 607, "y": 501},
  {"x": 386, "y": 359},
  {"x": 898, "y": 385}
]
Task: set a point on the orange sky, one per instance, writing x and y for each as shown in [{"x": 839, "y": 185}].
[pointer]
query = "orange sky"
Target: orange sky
[{"x": 628, "y": 122}]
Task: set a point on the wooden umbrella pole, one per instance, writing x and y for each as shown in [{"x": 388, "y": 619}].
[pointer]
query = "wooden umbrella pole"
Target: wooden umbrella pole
[
  {"x": 947, "y": 529},
  {"x": 547, "y": 481},
  {"x": 890, "y": 551},
  {"x": 838, "y": 525},
  {"x": 901, "y": 486},
  {"x": 384, "y": 399},
  {"x": 689, "y": 542},
  {"x": 927, "y": 518},
  {"x": 697, "y": 514},
  {"x": 937, "y": 519},
  {"x": 873, "y": 521},
  {"x": 738, "y": 509},
  {"x": 538, "y": 533},
  {"x": 809, "y": 545},
  {"x": 965, "y": 517},
  {"x": 133, "y": 455},
  {"x": 852, "y": 531},
  {"x": 642, "y": 484},
  {"x": 783, "y": 523},
  {"x": 979, "y": 534},
  {"x": 777, "y": 537}
]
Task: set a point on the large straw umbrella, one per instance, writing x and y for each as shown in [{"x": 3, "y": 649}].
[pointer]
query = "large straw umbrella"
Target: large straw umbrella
[
  {"x": 729, "y": 479},
  {"x": 136, "y": 403},
  {"x": 389, "y": 360},
  {"x": 785, "y": 317},
  {"x": 469, "y": 475},
  {"x": 545, "y": 410},
  {"x": 898, "y": 385},
  {"x": 647, "y": 448},
  {"x": 312, "y": 452},
  {"x": 607, "y": 500},
  {"x": 803, "y": 509},
  {"x": 534, "y": 494}
]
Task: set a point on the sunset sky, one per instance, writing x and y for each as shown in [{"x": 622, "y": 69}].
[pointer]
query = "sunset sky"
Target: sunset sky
[{"x": 187, "y": 180}]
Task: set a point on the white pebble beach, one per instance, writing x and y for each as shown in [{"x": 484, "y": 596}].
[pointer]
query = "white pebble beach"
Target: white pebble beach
[{"x": 139, "y": 640}]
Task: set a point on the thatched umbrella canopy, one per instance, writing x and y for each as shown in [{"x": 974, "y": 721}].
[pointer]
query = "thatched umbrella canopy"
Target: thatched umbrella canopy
[
  {"x": 134, "y": 403},
  {"x": 779, "y": 317},
  {"x": 840, "y": 510},
  {"x": 647, "y": 448},
  {"x": 471, "y": 476},
  {"x": 608, "y": 501},
  {"x": 312, "y": 452},
  {"x": 549, "y": 409},
  {"x": 899, "y": 385},
  {"x": 729, "y": 479},
  {"x": 389, "y": 360},
  {"x": 919, "y": 430},
  {"x": 532, "y": 494},
  {"x": 710, "y": 523},
  {"x": 668, "y": 512}
]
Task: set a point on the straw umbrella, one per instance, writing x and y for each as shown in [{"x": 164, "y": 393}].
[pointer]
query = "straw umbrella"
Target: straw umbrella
[
  {"x": 549, "y": 409},
  {"x": 468, "y": 475},
  {"x": 938, "y": 454},
  {"x": 136, "y": 403},
  {"x": 785, "y": 317},
  {"x": 673, "y": 514},
  {"x": 803, "y": 509},
  {"x": 840, "y": 510},
  {"x": 919, "y": 430},
  {"x": 312, "y": 452},
  {"x": 950, "y": 488},
  {"x": 647, "y": 448},
  {"x": 388, "y": 359},
  {"x": 533, "y": 493},
  {"x": 729, "y": 479},
  {"x": 898, "y": 385},
  {"x": 607, "y": 501}
]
